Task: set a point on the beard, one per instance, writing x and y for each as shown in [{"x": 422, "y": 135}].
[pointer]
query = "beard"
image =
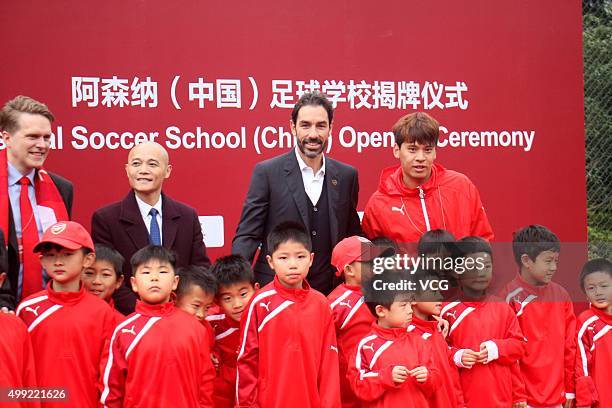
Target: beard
[{"x": 311, "y": 154}]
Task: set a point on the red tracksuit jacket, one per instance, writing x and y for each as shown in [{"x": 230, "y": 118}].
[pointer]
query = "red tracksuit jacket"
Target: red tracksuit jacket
[
  {"x": 448, "y": 200},
  {"x": 594, "y": 359},
  {"x": 288, "y": 355},
  {"x": 353, "y": 320},
  {"x": 490, "y": 385},
  {"x": 68, "y": 332},
  {"x": 227, "y": 340},
  {"x": 16, "y": 358},
  {"x": 372, "y": 363},
  {"x": 449, "y": 395},
  {"x": 158, "y": 357},
  {"x": 547, "y": 320}
]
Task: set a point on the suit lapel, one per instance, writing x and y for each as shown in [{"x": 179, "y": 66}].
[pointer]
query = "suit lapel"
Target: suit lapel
[
  {"x": 332, "y": 181},
  {"x": 134, "y": 224},
  {"x": 293, "y": 178},
  {"x": 170, "y": 216}
]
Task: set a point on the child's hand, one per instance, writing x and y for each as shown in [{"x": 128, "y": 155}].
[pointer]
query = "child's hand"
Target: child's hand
[
  {"x": 419, "y": 373},
  {"x": 399, "y": 374},
  {"x": 443, "y": 325},
  {"x": 522, "y": 404},
  {"x": 215, "y": 361},
  {"x": 469, "y": 358},
  {"x": 483, "y": 356},
  {"x": 569, "y": 403}
]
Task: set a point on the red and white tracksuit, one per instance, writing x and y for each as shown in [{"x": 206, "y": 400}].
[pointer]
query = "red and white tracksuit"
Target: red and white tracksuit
[
  {"x": 227, "y": 340},
  {"x": 492, "y": 322},
  {"x": 371, "y": 366},
  {"x": 68, "y": 332},
  {"x": 159, "y": 356},
  {"x": 288, "y": 355},
  {"x": 353, "y": 320},
  {"x": 448, "y": 200},
  {"x": 594, "y": 359},
  {"x": 546, "y": 316}
]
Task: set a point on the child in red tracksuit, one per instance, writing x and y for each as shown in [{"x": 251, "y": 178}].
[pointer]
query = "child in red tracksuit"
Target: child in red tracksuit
[
  {"x": 484, "y": 334},
  {"x": 195, "y": 292},
  {"x": 391, "y": 367},
  {"x": 236, "y": 286},
  {"x": 68, "y": 326},
  {"x": 105, "y": 276},
  {"x": 17, "y": 366},
  {"x": 546, "y": 315},
  {"x": 160, "y": 355},
  {"x": 288, "y": 355},
  {"x": 351, "y": 257},
  {"x": 425, "y": 310},
  {"x": 594, "y": 355}
]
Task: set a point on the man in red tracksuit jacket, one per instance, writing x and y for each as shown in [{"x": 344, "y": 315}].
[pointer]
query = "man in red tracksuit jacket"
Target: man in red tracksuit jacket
[
  {"x": 160, "y": 355},
  {"x": 288, "y": 355},
  {"x": 594, "y": 354},
  {"x": 418, "y": 195},
  {"x": 352, "y": 318},
  {"x": 546, "y": 315},
  {"x": 67, "y": 325}
]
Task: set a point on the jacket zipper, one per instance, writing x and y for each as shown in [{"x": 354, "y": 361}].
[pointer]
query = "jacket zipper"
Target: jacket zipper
[{"x": 422, "y": 197}]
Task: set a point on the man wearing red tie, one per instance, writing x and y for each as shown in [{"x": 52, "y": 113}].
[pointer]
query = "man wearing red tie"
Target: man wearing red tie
[{"x": 31, "y": 198}]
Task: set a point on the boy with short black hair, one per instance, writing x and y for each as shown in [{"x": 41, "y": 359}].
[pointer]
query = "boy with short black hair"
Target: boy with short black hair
[
  {"x": 391, "y": 367},
  {"x": 157, "y": 344},
  {"x": 105, "y": 276},
  {"x": 546, "y": 315},
  {"x": 485, "y": 335},
  {"x": 352, "y": 258},
  {"x": 68, "y": 326},
  {"x": 438, "y": 249},
  {"x": 196, "y": 290},
  {"x": 236, "y": 286},
  {"x": 17, "y": 364},
  {"x": 425, "y": 310},
  {"x": 594, "y": 356},
  {"x": 288, "y": 351}
]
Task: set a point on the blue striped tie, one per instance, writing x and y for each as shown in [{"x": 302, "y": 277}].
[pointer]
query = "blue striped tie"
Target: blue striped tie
[{"x": 154, "y": 234}]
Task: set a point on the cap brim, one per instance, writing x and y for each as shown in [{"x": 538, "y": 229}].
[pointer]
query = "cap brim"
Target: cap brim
[
  {"x": 372, "y": 252},
  {"x": 65, "y": 243}
]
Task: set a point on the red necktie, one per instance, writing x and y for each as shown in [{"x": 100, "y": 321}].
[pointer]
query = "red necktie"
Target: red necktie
[{"x": 32, "y": 271}]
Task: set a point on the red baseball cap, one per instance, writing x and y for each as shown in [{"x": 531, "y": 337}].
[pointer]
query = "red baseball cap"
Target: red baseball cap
[
  {"x": 351, "y": 249},
  {"x": 68, "y": 234}
]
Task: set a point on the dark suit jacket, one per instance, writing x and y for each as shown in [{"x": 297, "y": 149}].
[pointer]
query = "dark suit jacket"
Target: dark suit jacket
[
  {"x": 120, "y": 226},
  {"x": 8, "y": 292},
  {"x": 277, "y": 194}
]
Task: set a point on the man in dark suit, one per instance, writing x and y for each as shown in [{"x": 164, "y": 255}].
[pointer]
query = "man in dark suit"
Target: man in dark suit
[
  {"x": 31, "y": 199},
  {"x": 146, "y": 216},
  {"x": 304, "y": 186}
]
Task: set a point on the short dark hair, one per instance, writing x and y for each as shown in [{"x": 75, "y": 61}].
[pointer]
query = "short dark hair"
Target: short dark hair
[
  {"x": 595, "y": 265},
  {"x": 193, "y": 275},
  {"x": 314, "y": 98},
  {"x": 532, "y": 240},
  {"x": 387, "y": 245},
  {"x": 232, "y": 269},
  {"x": 150, "y": 252},
  {"x": 473, "y": 244},
  {"x": 288, "y": 231},
  {"x": 386, "y": 297},
  {"x": 9, "y": 114},
  {"x": 417, "y": 127},
  {"x": 435, "y": 241},
  {"x": 110, "y": 255}
]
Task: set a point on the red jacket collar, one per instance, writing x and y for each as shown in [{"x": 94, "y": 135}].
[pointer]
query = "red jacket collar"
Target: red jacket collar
[
  {"x": 389, "y": 333},
  {"x": 65, "y": 298},
  {"x": 601, "y": 314},
  {"x": 429, "y": 326},
  {"x": 296, "y": 295},
  {"x": 528, "y": 286},
  {"x": 163, "y": 309},
  {"x": 351, "y": 287}
]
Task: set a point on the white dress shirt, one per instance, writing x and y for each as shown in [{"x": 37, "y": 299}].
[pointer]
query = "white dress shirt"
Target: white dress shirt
[
  {"x": 313, "y": 183},
  {"x": 146, "y": 217}
]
